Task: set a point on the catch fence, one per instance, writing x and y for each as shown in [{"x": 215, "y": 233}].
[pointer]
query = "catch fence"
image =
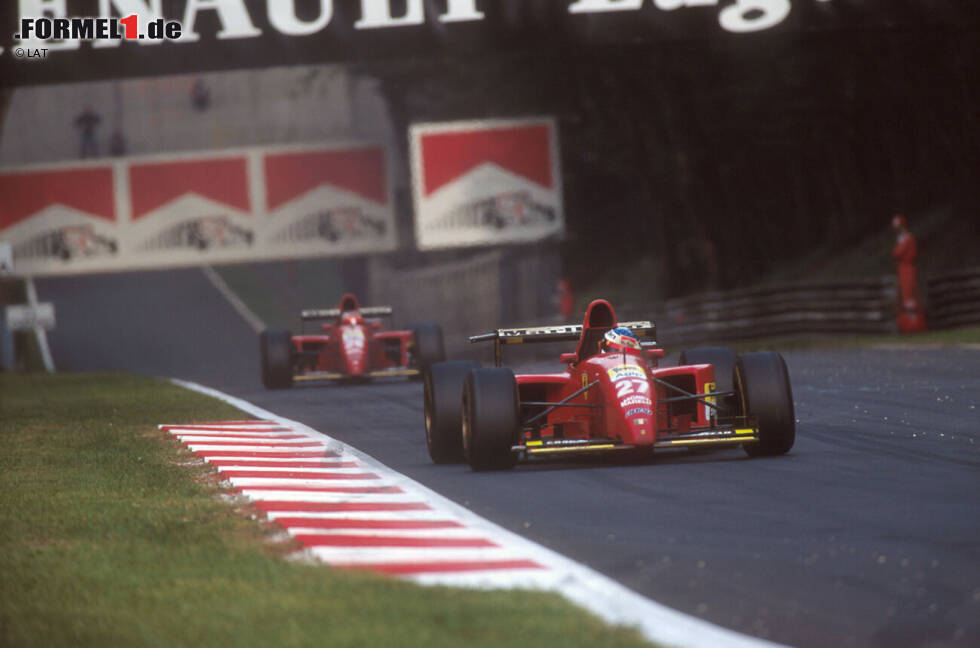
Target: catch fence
[
  {"x": 954, "y": 299},
  {"x": 856, "y": 307}
]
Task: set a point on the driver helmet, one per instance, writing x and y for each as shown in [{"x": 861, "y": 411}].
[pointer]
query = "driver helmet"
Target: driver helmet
[
  {"x": 351, "y": 318},
  {"x": 620, "y": 340}
]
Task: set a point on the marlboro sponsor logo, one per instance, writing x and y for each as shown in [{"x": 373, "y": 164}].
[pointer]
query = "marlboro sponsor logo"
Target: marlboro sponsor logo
[
  {"x": 58, "y": 215},
  {"x": 515, "y": 209},
  {"x": 157, "y": 185},
  {"x": 87, "y": 190},
  {"x": 486, "y": 183},
  {"x": 67, "y": 242},
  {"x": 253, "y": 204},
  {"x": 342, "y": 224},
  {"x": 201, "y": 233},
  {"x": 330, "y": 199},
  {"x": 191, "y": 204}
]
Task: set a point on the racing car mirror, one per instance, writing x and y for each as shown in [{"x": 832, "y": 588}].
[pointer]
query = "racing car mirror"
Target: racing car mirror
[{"x": 655, "y": 354}]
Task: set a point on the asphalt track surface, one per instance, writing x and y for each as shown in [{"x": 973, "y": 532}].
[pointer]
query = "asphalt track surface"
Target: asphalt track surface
[{"x": 866, "y": 534}]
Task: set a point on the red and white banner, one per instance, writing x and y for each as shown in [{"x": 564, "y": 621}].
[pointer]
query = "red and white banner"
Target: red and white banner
[
  {"x": 486, "y": 182},
  {"x": 334, "y": 201},
  {"x": 183, "y": 210},
  {"x": 60, "y": 217},
  {"x": 198, "y": 208}
]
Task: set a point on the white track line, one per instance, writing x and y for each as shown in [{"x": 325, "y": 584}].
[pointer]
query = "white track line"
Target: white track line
[
  {"x": 255, "y": 483},
  {"x": 389, "y": 533},
  {"x": 251, "y": 318},
  {"x": 603, "y": 596},
  {"x": 39, "y": 332},
  {"x": 364, "y": 515}
]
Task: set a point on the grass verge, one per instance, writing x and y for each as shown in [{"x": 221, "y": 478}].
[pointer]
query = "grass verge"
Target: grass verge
[
  {"x": 960, "y": 337},
  {"x": 110, "y": 534}
]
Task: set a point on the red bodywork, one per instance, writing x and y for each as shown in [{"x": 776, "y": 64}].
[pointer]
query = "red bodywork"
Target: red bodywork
[
  {"x": 629, "y": 405},
  {"x": 352, "y": 346}
]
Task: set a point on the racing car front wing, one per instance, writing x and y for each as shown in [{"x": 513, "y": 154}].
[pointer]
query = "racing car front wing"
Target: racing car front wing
[
  {"x": 319, "y": 376},
  {"x": 718, "y": 436}
]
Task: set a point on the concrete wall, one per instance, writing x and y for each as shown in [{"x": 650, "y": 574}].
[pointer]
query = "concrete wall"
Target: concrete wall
[{"x": 475, "y": 294}]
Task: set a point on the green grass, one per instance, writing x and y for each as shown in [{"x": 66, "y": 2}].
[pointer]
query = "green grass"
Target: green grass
[
  {"x": 969, "y": 335},
  {"x": 110, "y": 535},
  {"x": 30, "y": 351}
]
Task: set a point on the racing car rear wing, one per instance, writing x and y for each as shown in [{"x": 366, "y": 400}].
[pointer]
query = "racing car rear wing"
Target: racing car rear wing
[
  {"x": 328, "y": 313},
  {"x": 563, "y": 333}
]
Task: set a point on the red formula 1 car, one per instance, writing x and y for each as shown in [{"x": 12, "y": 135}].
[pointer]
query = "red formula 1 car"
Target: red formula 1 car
[
  {"x": 610, "y": 398},
  {"x": 349, "y": 346}
]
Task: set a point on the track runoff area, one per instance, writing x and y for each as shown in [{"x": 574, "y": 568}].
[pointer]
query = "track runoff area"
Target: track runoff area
[{"x": 351, "y": 511}]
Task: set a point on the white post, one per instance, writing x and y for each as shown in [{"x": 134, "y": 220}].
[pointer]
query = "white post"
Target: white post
[
  {"x": 39, "y": 332},
  {"x": 6, "y": 336}
]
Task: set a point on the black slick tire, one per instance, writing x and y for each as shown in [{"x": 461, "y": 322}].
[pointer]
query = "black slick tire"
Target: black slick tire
[
  {"x": 428, "y": 345},
  {"x": 443, "y": 406},
  {"x": 766, "y": 393},
  {"x": 277, "y": 358},
  {"x": 491, "y": 418}
]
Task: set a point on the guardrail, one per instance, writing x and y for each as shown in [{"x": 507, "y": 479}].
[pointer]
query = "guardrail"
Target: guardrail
[
  {"x": 779, "y": 310},
  {"x": 776, "y": 310},
  {"x": 954, "y": 299}
]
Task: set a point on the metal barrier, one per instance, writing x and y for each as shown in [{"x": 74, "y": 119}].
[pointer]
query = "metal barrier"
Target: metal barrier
[
  {"x": 954, "y": 299},
  {"x": 780, "y": 310}
]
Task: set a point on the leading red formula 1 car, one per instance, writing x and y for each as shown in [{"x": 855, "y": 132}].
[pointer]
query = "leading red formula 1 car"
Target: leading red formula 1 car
[
  {"x": 350, "y": 345},
  {"x": 611, "y": 397}
]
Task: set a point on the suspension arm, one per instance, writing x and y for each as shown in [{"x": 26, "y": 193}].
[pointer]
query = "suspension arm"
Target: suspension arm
[{"x": 561, "y": 403}]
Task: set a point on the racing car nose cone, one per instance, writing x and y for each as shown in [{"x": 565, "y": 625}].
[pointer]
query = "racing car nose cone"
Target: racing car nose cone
[{"x": 641, "y": 424}]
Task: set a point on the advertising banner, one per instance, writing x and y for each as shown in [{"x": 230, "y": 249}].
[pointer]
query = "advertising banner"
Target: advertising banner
[
  {"x": 198, "y": 208},
  {"x": 183, "y": 210},
  {"x": 45, "y": 41},
  {"x": 323, "y": 202},
  {"x": 486, "y": 182},
  {"x": 60, "y": 217}
]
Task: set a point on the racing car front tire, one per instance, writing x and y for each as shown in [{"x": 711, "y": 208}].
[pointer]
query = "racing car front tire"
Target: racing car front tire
[
  {"x": 764, "y": 383},
  {"x": 277, "y": 360},
  {"x": 723, "y": 360},
  {"x": 443, "y": 405},
  {"x": 429, "y": 347},
  {"x": 491, "y": 418}
]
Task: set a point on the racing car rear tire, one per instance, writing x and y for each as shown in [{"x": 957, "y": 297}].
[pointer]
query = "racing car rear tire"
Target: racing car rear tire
[
  {"x": 723, "y": 359},
  {"x": 491, "y": 418},
  {"x": 429, "y": 347},
  {"x": 764, "y": 385},
  {"x": 277, "y": 360},
  {"x": 443, "y": 405}
]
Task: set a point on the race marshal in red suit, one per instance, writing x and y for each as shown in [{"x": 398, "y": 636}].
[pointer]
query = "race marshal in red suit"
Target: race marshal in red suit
[{"x": 911, "y": 316}]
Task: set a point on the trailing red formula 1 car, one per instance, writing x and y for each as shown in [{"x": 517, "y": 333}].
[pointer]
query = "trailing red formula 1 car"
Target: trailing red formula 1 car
[
  {"x": 611, "y": 397},
  {"x": 350, "y": 345}
]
